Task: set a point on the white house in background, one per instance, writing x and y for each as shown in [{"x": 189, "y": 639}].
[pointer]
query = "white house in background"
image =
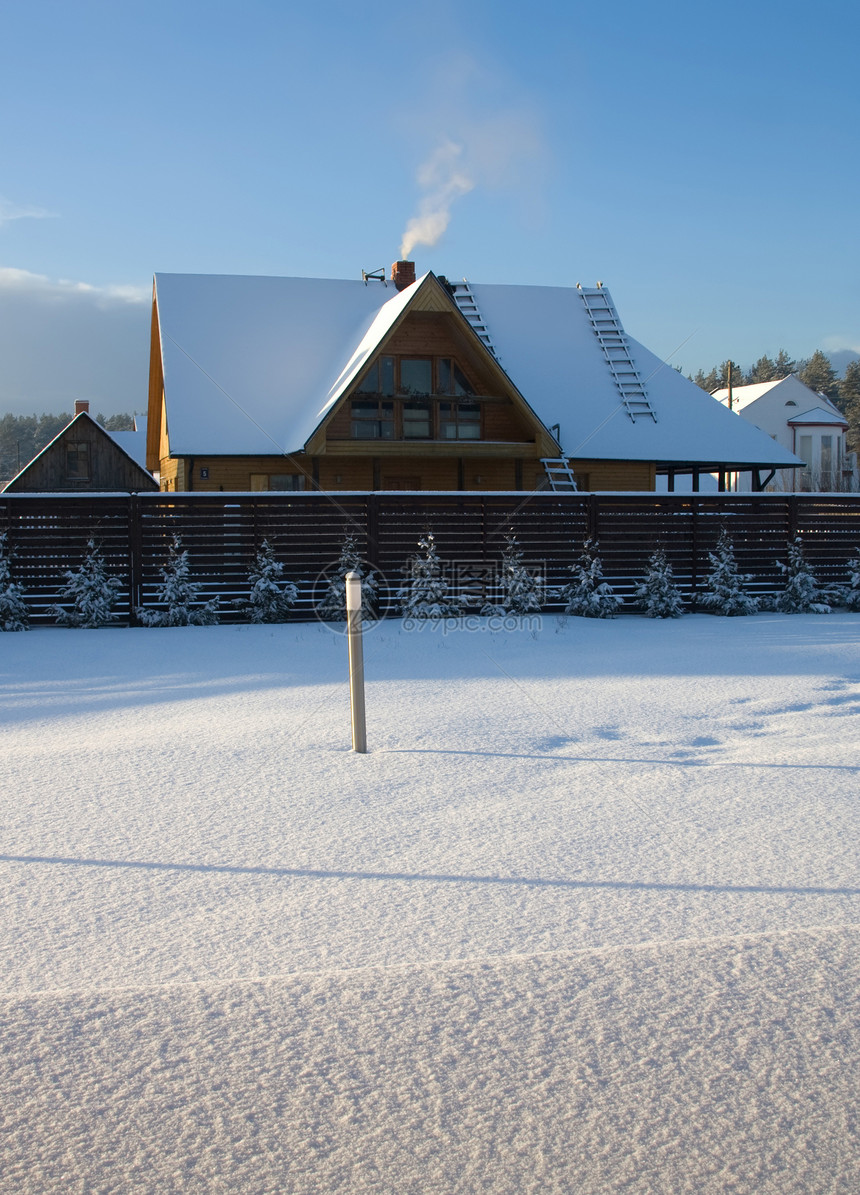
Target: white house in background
[{"x": 806, "y": 423}]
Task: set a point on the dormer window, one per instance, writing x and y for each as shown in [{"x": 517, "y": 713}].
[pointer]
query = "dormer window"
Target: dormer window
[{"x": 791, "y": 403}]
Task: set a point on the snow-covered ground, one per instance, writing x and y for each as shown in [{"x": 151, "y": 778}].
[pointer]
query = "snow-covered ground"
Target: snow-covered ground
[{"x": 584, "y": 919}]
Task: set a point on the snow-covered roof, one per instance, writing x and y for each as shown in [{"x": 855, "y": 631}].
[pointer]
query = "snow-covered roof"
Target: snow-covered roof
[
  {"x": 133, "y": 442},
  {"x": 790, "y": 389},
  {"x": 819, "y": 416},
  {"x": 548, "y": 347},
  {"x": 253, "y": 364}
]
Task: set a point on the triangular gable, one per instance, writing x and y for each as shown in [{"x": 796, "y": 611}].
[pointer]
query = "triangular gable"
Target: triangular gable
[
  {"x": 425, "y": 294},
  {"x": 386, "y": 320},
  {"x": 818, "y": 417},
  {"x": 146, "y": 479}
]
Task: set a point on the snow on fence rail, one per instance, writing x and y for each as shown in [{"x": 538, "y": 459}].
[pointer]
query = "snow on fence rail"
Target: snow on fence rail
[{"x": 49, "y": 532}]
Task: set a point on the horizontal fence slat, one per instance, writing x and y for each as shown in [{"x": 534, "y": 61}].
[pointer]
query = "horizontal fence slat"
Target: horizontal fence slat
[{"x": 48, "y": 535}]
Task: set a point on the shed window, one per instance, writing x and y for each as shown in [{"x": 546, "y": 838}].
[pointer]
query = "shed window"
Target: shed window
[{"x": 77, "y": 460}]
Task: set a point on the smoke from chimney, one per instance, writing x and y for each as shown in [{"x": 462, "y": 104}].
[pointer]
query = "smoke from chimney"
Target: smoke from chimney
[{"x": 444, "y": 180}]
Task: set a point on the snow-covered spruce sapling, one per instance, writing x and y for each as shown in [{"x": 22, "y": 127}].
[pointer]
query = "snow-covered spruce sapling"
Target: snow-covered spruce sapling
[
  {"x": 332, "y": 608},
  {"x": 658, "y": 592},
  {"x": 801, "y": 594},
  {"x": 724, "y": 585},
  {"x": 588, "y": 595},
  {"x": 90, "y": 590},
  {"x": 180, "y": 595},
  {"x": 426, "y": 594},
  {"x": 270, "y": 599},
  {"x": 14, "y": 615},
  {"x": 518, "y": 591}
]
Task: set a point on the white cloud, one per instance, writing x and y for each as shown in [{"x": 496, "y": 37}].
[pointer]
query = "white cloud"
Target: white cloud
[
  {"x": 836, "y": 344},
  {"x": 12, "y": 279},
  {"x": 12, "y": 211},
  {"x": 61, "y": 340}
]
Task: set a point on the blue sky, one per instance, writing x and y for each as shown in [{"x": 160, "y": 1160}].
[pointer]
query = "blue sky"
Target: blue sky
[{"x": 701, "y": 160}]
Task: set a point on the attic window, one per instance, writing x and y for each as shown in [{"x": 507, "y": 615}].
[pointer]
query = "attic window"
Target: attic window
[
  {"x": 459, "y": 421},
  {"x": 77, "y": 460},
  {"x": 415, "y": 377},
  {"x": 372, "y": 420},
  {"x": 379, "y": 379},
  {"x": 791, "y": 403}
]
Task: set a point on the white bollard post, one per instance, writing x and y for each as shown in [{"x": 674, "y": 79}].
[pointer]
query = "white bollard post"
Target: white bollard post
[{"x": 356, "y": 662}]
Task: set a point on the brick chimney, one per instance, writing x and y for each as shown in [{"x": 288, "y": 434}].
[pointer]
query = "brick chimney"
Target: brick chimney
[
  {"x": 403, "y": 274},
  {"x": 82, "y": 406}
]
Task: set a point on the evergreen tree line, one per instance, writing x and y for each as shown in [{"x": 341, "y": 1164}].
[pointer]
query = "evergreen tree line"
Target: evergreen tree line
[
  {"x": 90, "y": 593},
  {"x": 24, "y": 436},
  {"x": 815, "y": 371}
]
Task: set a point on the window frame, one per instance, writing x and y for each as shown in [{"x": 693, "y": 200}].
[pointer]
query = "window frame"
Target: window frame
[{"x": 81, "y": 450}]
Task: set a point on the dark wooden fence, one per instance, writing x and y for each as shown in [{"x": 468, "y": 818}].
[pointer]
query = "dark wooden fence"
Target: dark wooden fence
[{"x": 49, "y": 533}]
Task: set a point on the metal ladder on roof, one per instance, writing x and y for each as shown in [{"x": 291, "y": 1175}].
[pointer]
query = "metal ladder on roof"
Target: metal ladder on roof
[
  {"x": 559, "y": 474},
  {"x": 613, "y": 340},
  {"x": 468, "y": 305}
]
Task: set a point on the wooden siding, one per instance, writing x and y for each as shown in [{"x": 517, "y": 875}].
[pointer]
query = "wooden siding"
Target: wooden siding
[
  {"x": 463, "y": 464},
  {"x": 48, "y": 535},
  {"x": 108, "y": 467}
]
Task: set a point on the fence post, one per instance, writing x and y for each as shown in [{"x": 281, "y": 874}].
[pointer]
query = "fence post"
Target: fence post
[
  {"x": 356, "y": 662},
  {"x": 134, "y": 559},
  {"x": 792, "y": 517}
]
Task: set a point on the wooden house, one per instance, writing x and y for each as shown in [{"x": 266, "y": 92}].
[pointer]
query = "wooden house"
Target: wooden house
[
  {"x": 83, "y": 458},
  {"x": 403, "y": 383}
]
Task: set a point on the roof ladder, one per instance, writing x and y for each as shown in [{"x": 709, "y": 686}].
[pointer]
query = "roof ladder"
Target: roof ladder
[
  {"x": 468, "y": 304},
  {"x": 558, "y": 474},
  {"x": 613, "y": 340}
]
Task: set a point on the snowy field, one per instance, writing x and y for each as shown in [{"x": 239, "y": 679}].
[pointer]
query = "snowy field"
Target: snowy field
[{"x": 585, "y": 919}]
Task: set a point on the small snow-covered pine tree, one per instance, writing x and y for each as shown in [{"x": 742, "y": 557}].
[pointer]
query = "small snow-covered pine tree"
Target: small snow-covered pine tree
[
  {"x": 180, "y": 595},
  {"x": 801, "y": 594},
  {"x": 851, "y": 592},
  {"x": 426, "y": 593},
  {"x": 724, "y": 585},
  {"x": 658, "y": 592},
  {"x": 519, "y": 591},
  {"x": 588, "y": 595},
  {"x": 90, "y": 590},
  {"x": 332, "y": 608},
  {"x": 270, "y": 599},
  {"x": 13, "y": 610}
]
